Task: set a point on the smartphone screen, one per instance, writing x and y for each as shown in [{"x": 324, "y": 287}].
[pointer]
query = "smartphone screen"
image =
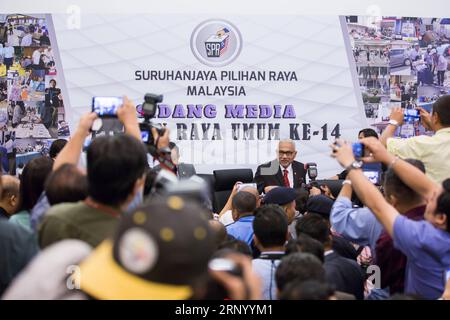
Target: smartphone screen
[
  {"x": 106, "y": 106},
  {"x": 412, "y": 115},
  {"x": 373, "y": 176}
]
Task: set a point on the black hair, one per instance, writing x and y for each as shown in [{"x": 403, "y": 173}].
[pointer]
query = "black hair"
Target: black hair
[
  {"x": 32, "y": 181},
  {"x": 219, "y": 231},
  {"x": 56, "y": 147},
  {"x": 237, "y": 246},
  {"x": 443, "y": 202},
  {"x": 307, "y": 290},
  {"x": 299, "y": 267},
  {"x": 368, "y": 132},
  {"x": 66, "y": 184},
  {"x": 306, "y": 244},
  {"x": 270, "y": 225},
  {"x": 442, "y": 108},
  {"x": 244, "y": 202},
  {"x": 394, "y": 185},
  {"x": 315, "y": 226},
  {"x": 114, "y": 164}
]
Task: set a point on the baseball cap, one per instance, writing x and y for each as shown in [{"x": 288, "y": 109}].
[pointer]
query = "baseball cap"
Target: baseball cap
[
  {"x": 157, "y": 252},
  {"x": 319, "y": 204},
  {"x": 280, "y": 196}
]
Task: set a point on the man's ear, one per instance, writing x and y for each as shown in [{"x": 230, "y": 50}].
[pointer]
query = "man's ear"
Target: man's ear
[
  {"x": 441, "y": 219},
  {"x": 13, "y": 200}
]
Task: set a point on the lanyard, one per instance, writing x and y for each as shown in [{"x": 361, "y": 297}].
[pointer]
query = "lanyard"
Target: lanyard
[{"x": 106, "y": 209}]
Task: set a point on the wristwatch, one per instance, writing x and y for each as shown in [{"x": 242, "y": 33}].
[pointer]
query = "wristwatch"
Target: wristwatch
[
  {"x": 393, "y": 122},
  {"x": 355, "y": 165}
]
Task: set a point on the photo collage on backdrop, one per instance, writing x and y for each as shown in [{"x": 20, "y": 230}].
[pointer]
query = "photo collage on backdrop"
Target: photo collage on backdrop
[
  {"x": 400, "y": 61},
  {"x": 31, "y": 103}
]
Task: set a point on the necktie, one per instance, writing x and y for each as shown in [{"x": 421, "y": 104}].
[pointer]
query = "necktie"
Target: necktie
[{"x": 285, "y": 178}]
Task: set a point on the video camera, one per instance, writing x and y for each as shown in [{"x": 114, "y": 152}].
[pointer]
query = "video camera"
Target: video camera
[{"x": 148, "y": 112}]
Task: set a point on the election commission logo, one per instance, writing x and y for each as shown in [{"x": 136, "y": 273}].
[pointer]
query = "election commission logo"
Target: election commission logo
[{"x": 216, "y": 43}]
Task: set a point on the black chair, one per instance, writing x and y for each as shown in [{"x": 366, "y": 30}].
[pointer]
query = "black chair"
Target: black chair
[
  {"x": 209, "y": 178},
  {"x": 224, "y": 181}
]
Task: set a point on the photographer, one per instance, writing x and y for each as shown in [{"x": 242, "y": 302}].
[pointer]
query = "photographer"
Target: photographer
[
  {"x": 116, "y": 176},
  {"x": 426, "y": 244},
  {"x": 433, "y": 151}
]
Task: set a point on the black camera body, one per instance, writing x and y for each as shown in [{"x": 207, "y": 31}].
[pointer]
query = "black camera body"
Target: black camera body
[{"x": 149, "y": 107}]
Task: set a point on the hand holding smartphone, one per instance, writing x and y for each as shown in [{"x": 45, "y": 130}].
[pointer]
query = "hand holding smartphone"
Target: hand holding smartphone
[{"x": 106, "y": 107}]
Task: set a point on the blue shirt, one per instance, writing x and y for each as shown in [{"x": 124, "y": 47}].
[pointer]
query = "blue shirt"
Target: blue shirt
[
  {"x": 358, "y": 225},
  {"x": 242, "y": 229},
  {"x": 428, "y": 252}
]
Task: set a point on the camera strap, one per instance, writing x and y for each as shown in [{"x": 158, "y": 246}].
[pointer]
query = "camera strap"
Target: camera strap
[{"x": 271, "y": 256}]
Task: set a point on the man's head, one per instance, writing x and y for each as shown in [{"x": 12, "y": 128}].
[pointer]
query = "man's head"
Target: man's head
[
  {"x": 66, "y": 184},
  {"x": 174, "y": 152},
  {"x": 10, "y": 194},
  {"x": 368, "y": 132},
  {"x": 286, "y": 152},
  {"x": 32, "y": 181},
  {"x": 298, "y": 267},
  {"x": 243, "y": 204},
  {"x": 115, "y": 169},
  {"x": 437, "y": 211},
  {"x": 396, "y": 192},
  {"x": 219, "y": 231},
  {"x": 56, "y": 147},
  {"x": 306, "y": 244},
  {"x": 52, "y": 83},
  {"x": 316, "y": 227},
  {"x": 254, "y": 192},
  {"x": 441, "y": 112},
  {"x": 284, "y": 197},
  {"x": 270, "y": 227}
]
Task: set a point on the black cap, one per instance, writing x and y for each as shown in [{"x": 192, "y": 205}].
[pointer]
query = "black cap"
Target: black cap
[
  {"x": 319, "y": 204},
  {"x": 157, "y": 252}
]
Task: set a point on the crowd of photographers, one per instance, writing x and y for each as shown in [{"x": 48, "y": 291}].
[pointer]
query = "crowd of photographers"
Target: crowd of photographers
[{"x": 118, "y": 229}]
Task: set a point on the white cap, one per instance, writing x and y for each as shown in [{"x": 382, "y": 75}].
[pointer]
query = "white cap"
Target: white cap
[{"x": 433, "y": 51}]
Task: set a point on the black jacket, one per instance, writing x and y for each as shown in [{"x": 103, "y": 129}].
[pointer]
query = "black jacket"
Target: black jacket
[
  {"x": 263, "y": 181},
  {"x": 17, "y": 247}
]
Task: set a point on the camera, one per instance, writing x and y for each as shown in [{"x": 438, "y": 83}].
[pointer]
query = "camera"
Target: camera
[
  {"x": 149, "y": 107},
  {"x": 311, "y": 168},
  {"x": 358, "y": 150}
]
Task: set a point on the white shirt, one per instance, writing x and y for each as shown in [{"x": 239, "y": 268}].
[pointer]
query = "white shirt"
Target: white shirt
[
  {"x": 9, "y": 52},
  {"x": 36, "y": 56},
  {"x": 27, "y": 40},
  {"x": 290, "y": 174}
]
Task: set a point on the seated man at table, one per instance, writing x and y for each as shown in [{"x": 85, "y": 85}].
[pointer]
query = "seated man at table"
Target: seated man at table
[{"x": 282, "y": 172}]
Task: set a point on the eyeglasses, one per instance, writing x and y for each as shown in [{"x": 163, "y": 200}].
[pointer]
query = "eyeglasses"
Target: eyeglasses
[{"x": 286, "y": 153}]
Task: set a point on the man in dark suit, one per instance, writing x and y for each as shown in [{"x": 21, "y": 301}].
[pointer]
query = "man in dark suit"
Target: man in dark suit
[
  {"x": 284, "y": 171},
  {"x": 345, "y": 274},
  {"x": 184, "y": 170}
]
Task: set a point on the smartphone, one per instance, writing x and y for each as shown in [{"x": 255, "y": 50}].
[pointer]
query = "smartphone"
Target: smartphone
[
  {"x": 358, "y": 150},
  {"x": 411, "y": 115},
  {"x": 106, "y": 107},
  {"x": 145, "y": 135},
  {"x": 244, "y": 185}
]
